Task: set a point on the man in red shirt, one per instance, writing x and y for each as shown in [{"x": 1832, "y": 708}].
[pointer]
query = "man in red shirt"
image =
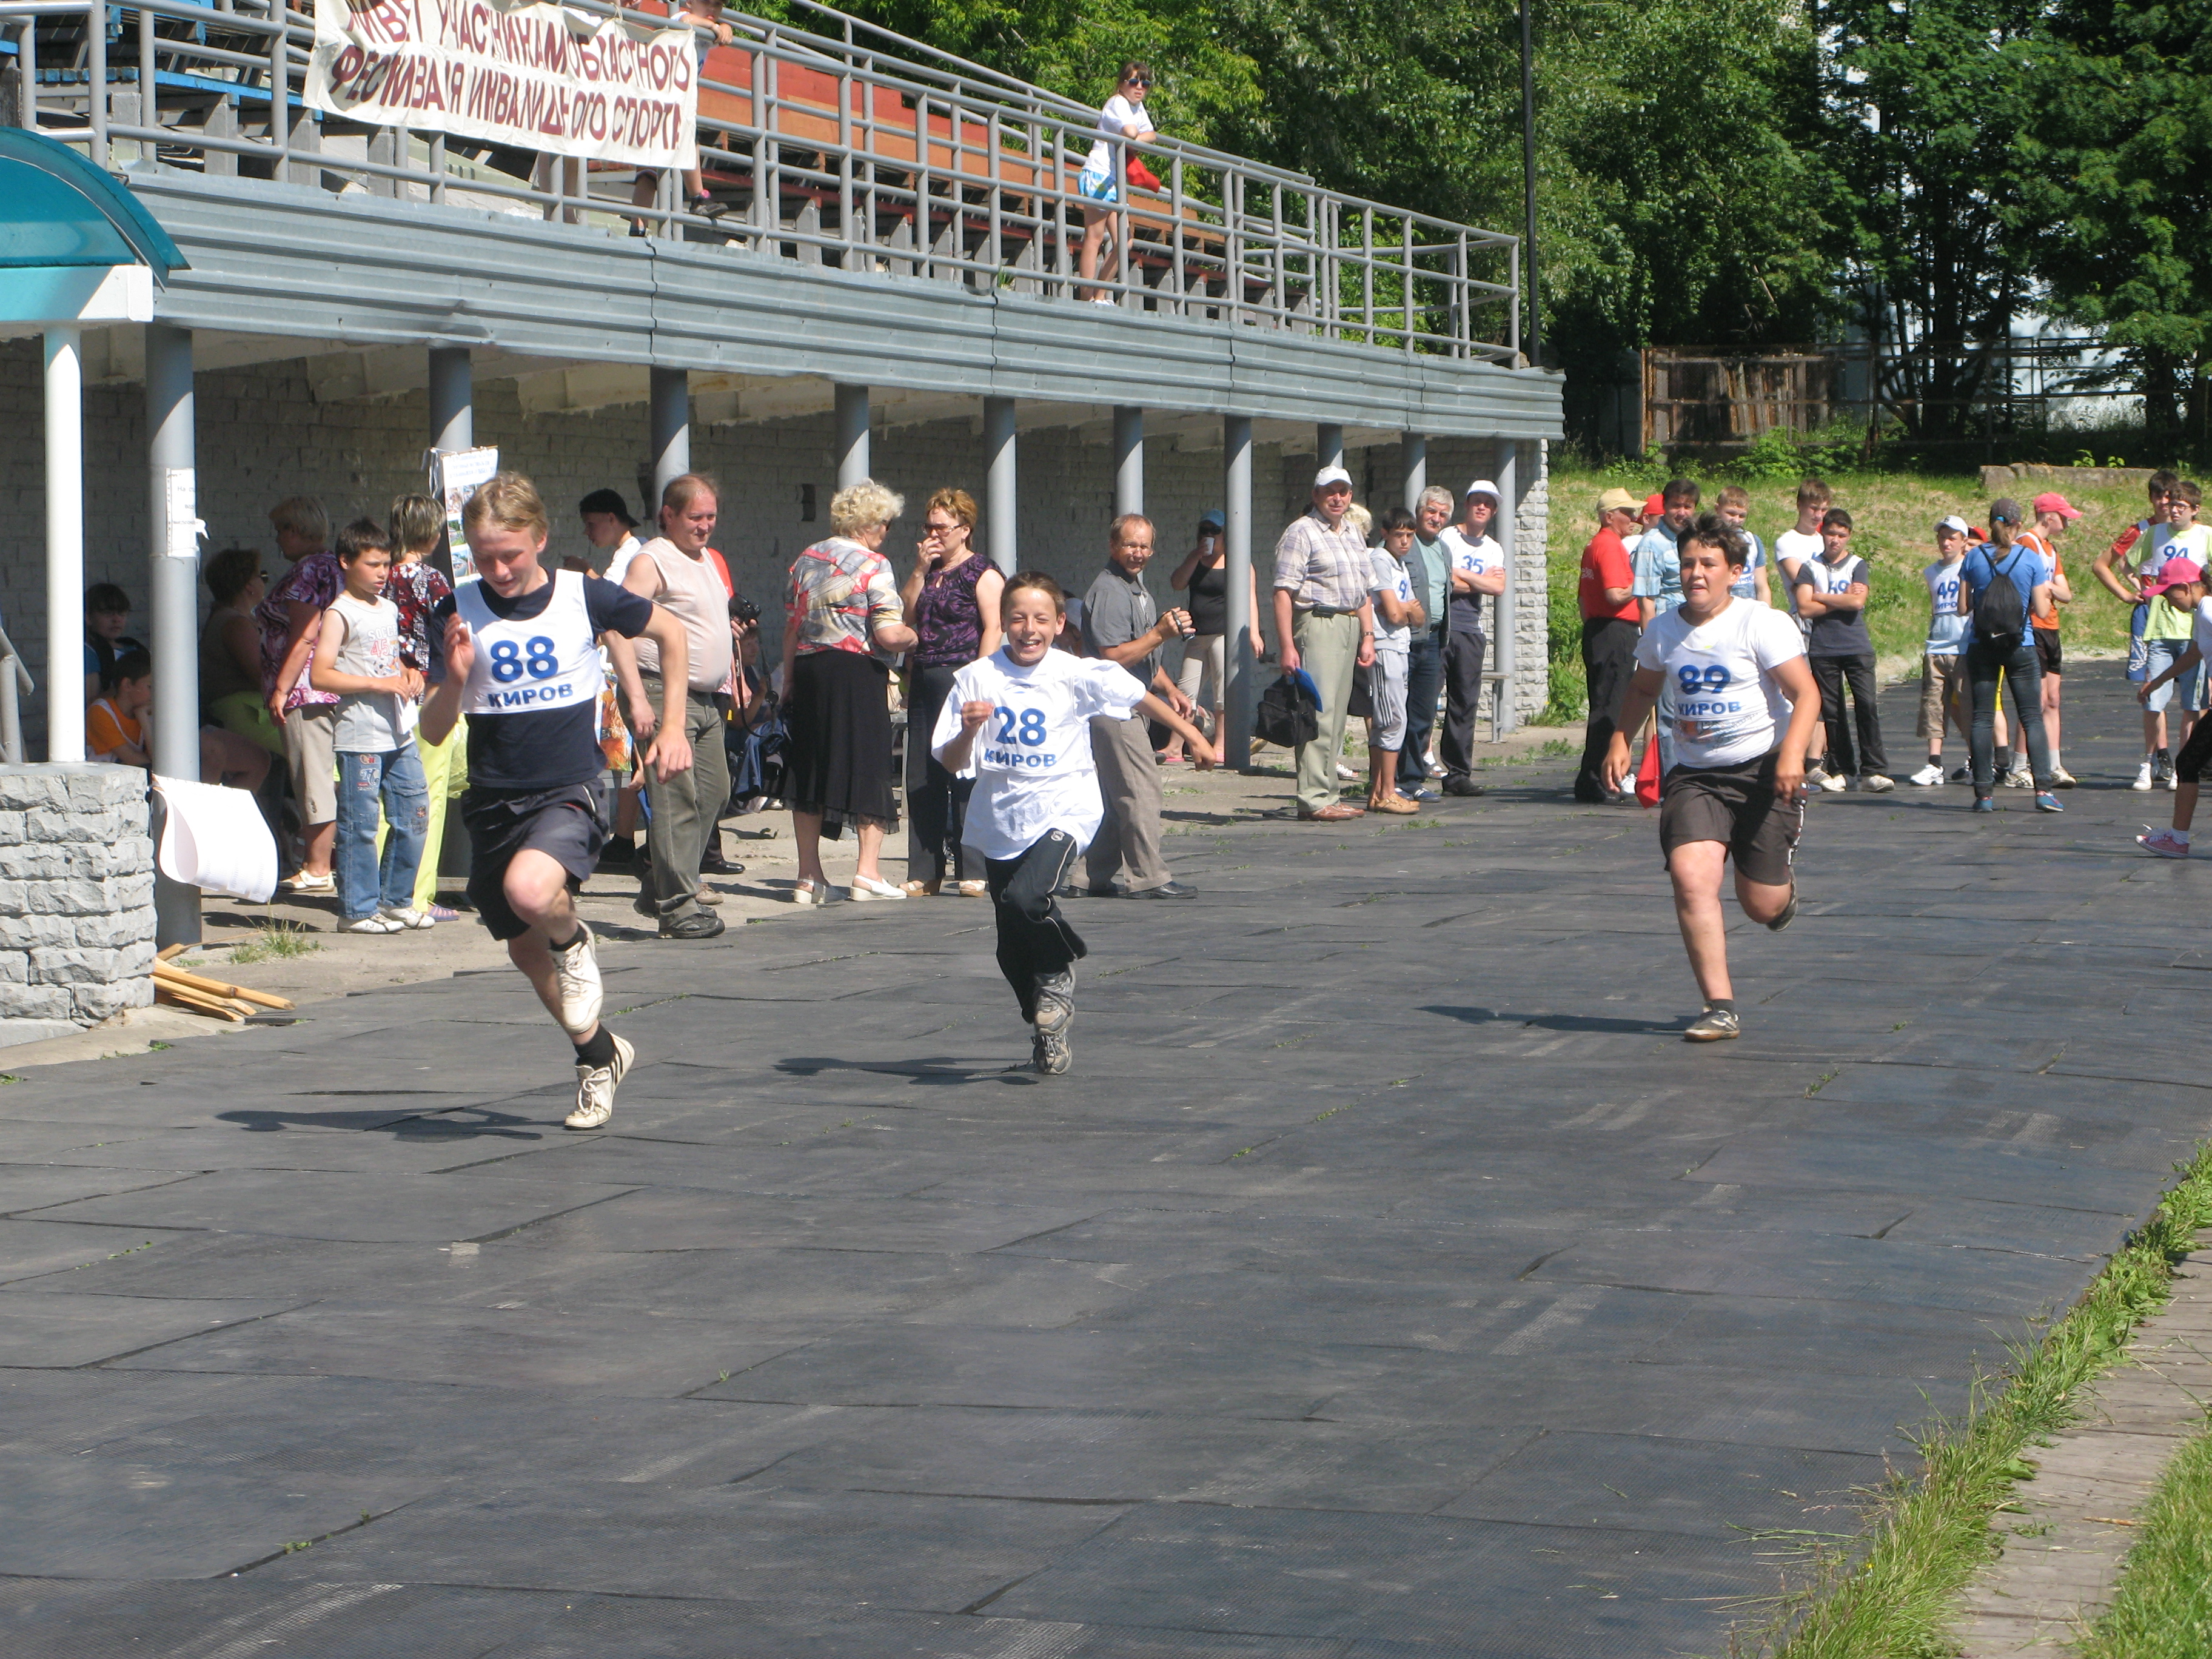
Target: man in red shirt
[{"x": 1609, "y": 632}]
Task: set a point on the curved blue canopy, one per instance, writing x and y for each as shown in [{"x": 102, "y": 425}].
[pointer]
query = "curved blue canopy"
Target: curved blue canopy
[{"x": 63, "y": 211}]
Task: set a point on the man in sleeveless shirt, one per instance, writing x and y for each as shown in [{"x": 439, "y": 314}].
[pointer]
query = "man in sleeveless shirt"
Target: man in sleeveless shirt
[{"x": 673, "y": 570}]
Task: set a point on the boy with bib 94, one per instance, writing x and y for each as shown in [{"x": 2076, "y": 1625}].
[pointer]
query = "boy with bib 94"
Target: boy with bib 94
[
  {"x": 1018, "y": 722},
  {"x": 520, "y": 651},
  {"x": 1724, "y": 673}
]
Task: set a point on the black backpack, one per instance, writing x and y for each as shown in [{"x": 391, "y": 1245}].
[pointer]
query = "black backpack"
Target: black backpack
[
  {"x": 1285, "y": 717},
  {"x": 1999, "y": 609}
]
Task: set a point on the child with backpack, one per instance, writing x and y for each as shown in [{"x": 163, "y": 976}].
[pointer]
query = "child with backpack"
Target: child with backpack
[{"x": 2001, "y": 584}]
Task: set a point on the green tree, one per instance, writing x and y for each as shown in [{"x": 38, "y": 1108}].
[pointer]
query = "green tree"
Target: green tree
[
  {"x": 2116, "y": 191},
  {"x": 1925, "y": 100}
]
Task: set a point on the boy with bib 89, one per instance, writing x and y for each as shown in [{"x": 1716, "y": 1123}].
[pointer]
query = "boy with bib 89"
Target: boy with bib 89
[
  {"x": 1724, "y": 674},
  {"x": 521, "y": 659}
]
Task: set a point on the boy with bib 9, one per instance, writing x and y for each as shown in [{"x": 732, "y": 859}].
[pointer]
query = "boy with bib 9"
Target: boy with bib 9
[{"x": 1018, "y": 722}]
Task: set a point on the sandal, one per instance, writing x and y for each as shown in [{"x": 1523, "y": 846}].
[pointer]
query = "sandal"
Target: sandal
[
  {"x": 922, "y": 889},
  {"x": 807, "y": 891},
  {"x": 975, "y": 889}
]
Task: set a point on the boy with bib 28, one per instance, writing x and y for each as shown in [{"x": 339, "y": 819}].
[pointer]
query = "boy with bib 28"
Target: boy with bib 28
[{"x": 1018, "y": 722}]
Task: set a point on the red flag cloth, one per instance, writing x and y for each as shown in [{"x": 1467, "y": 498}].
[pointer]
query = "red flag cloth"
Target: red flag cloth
[{"x": 1647, "y": 774}]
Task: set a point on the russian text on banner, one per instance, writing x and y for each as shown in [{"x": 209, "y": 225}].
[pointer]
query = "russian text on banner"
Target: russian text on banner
[{"x": 540, "y": 77}]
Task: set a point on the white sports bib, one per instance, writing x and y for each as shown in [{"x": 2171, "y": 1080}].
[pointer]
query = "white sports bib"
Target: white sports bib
[{"x": 546, "y": 661}]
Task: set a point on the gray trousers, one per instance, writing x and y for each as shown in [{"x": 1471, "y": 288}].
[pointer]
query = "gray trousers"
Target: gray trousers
[
  {"x": 1129, "y": 837},
  {"x": 686, "y": 808}
]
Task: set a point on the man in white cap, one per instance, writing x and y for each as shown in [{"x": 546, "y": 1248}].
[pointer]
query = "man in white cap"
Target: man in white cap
[
  {"x": 1478, "y": 572},
  {"x": 1325, "y": 624}
]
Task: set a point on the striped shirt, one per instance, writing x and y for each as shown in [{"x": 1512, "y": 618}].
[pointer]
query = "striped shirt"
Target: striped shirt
[{"x": 1324, "y": 566}]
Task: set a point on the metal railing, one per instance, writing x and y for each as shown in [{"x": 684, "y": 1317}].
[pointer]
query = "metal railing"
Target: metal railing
[
  {"x": 861, "y": 151},
  {"x": 14, "y": 682}
]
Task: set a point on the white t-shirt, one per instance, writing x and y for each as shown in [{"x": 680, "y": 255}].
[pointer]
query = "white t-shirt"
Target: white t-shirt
[
  {"x": 369, "y": 722},
  {"x": 618, "y": 560},
  {"x": 2200, "y": 628},
  {"x": 1475, "y": 558},
  {"x": 1947, "y": 628},
  {"x": 1120, "y": 120},
  {"x": 1391, "y": 577},
  {"x": 1743, "y": 586},
  {"x": 1031, "y": 760},
  {"x": 1719, "y": 698}
]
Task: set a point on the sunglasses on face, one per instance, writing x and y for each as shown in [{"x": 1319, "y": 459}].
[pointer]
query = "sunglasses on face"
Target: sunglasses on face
[{"x": 1144, "y": 81}]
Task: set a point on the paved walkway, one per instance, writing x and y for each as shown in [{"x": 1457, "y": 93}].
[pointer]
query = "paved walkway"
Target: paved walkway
[{"x": 1388, "y": 1280}]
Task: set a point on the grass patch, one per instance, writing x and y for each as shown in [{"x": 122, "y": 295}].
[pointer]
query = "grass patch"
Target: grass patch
[
  {"x": 2164, "y": 1606},
  {"x": 1891, "y": 1593},
  {"x": 275, "y": 940}
]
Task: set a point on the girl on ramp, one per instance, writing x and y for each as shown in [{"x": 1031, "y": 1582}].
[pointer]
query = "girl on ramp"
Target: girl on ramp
[
  {"x": 1019, "y": 721},
  {"x": 1726, "y": 674}
]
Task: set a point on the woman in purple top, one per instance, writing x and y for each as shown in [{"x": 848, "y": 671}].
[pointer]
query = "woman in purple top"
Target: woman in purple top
[{"x": 953, "y": 603}]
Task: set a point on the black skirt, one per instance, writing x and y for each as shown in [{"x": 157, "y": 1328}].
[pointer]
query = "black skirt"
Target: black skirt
[{"x": 838, "y": 762}]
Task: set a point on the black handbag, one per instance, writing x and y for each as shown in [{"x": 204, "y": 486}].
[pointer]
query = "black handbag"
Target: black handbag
[{"x": 1285, "y": 718}]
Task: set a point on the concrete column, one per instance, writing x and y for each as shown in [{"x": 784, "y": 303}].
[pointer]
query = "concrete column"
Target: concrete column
[
  {"x": 1128, "y": 460},
  {"x": 1242, "y": 693},
  {"x": 65, "y": 414},
  {"x": 1505, "y": 638},
  {"x": 671, "y": 397},
  {"x": 1001, "y": 492},
  {"x": 1328, "y": 445},
  {"x": 1414, "y": 446},
  {"x": 453, "y": 400},
  {"x": 173, "y": 516},
  {"x": 852, "y": 435}
]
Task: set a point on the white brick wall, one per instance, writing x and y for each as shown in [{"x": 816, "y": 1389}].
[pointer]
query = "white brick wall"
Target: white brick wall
[{"x": 263, "y": 437}]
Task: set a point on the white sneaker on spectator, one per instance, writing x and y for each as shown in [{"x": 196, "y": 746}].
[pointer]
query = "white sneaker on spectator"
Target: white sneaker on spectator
[
  {"x": 371, "y": 923},
  {"x": 2142, "y": 774},
  {"x": 407, "y": 916},
  {"x": 1928, "y": 776},
  {"x": 2020, "y": 778},
  {"x": 1345, "y": 774},
  {"x": 1875, "y": 784}
]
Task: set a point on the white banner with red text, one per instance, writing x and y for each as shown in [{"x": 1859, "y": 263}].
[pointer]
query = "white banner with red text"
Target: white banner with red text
[{"x": 537, "y": 76}]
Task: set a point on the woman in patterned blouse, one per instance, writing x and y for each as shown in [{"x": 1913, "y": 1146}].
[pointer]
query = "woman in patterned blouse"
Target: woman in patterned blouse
[
  {"x": 953, "y": 604},
  {"x": 846, "y": 624}
]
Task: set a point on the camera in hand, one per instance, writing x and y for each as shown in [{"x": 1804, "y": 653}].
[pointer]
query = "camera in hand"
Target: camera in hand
[{"x": 743, "y": 610}]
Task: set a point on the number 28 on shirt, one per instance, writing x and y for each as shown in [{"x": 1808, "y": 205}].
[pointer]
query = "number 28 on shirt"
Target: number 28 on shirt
[{"x": 1017, "y": 741}]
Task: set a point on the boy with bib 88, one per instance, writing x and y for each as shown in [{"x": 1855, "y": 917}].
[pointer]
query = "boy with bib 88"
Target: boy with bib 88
[{"x": 520, "y": 654}]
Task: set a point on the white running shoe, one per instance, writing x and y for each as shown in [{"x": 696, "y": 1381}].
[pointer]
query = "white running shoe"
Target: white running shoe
[
  {"x": 371, "y": 923},
  {"x": 1345, "y": 775},
  {"x": 595, "y": 1089},
  {"x": 2173, "y": 781},
  {"x": 1875, "y": 784},
  {"x": 2163, "y": 843},
  {"x": 576, "y": 973},
  {"x": 1927, "y": 777},
  {"x": 406, "y": 916},
  {"x": 1816, "y": 781},
  {"x": 2142, "y": 774},
  {"x": 2020, "y": 778}
]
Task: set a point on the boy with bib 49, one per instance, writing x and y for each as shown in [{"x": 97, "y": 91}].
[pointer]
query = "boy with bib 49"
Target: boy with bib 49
[{"x": 1018, "y": 722}]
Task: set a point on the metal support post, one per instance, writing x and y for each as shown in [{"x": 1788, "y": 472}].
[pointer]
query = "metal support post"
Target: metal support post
[
  {"x": 173, "y": 516},
  {"x": 1128, "y": 460},
  {"x": 1328, "y": 445},
  {"x": 852, "y": 435},
  {"x": 453, "y": 412},
  {"x": 1001, "y": 492},
  {"x": 1506, "y": 716},
  {"x": 65, "y": 413},
  {"x": 671, "y": 432},
  {"x": 1242, "y": 693},
  {"x": 1414, "y": 446}
]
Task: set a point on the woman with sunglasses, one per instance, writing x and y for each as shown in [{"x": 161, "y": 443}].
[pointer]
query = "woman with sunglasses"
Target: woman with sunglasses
[{"x": 1101, "y": 180}]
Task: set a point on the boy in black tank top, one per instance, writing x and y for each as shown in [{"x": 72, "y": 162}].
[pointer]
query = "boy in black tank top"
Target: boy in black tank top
[{"x": 520, "y": 654}]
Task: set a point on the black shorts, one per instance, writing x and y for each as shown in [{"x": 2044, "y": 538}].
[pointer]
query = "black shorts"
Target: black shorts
[
  {"x": 563, "y": 823},
  {"x": 1735, "y": 807},
  {"x": 2050, "y": 655}
]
